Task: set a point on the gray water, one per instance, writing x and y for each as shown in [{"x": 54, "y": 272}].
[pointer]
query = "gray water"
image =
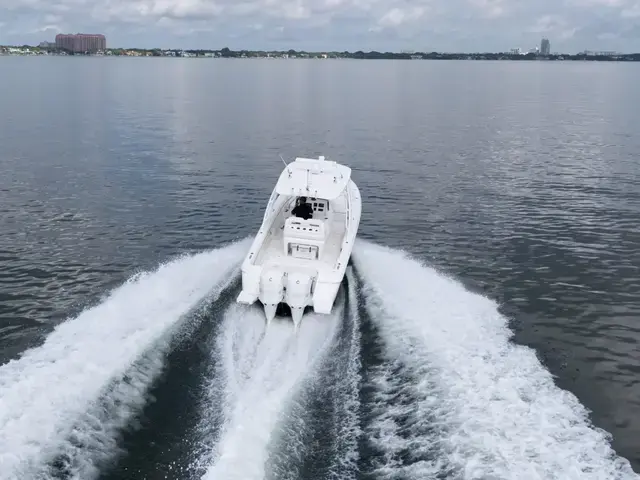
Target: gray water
[{"x": 518, "y": 179}]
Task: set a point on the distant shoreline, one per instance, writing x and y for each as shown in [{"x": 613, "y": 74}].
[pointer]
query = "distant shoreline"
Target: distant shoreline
[{"x": 293, "y": 54}]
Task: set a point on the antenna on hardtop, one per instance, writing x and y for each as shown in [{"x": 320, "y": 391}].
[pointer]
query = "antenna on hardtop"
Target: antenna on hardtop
[{"x": 286, "y": 165}]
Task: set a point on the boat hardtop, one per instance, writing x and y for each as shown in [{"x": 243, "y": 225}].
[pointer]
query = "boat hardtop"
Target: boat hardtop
[{"x": 300, "y": 254}]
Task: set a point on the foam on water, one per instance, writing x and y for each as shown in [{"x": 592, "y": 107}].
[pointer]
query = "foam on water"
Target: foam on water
[
  {"x": 261, "y": 372},
  {"x": 66, "y": 393},
  {"x": 93, "y": 438},
  {"x": 347, "y": 425},
  {"x": 495, "y": 410}
]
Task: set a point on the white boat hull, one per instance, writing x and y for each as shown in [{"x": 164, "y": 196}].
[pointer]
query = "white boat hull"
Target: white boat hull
[{"x": 298, "y": 262}]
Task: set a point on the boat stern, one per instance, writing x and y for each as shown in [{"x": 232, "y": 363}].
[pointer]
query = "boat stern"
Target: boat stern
[
  {"x": 324, "y": 296},
  {"x": 250, "y": 285}
]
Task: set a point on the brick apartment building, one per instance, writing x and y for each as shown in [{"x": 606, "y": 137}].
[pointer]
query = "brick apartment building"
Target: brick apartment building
[{"x": 81, "y": 42}]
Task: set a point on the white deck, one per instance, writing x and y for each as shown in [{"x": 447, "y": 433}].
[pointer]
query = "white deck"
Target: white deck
[{"x": 273, "y": 249}]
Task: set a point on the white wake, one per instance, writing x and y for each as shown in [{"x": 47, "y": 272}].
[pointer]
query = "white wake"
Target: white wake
[
  {"x": 261, "y": 372},
  {"x": 346, "y": 431},
  {"x": 65, "y": 396},
  {"x": 493, "y": 409}
]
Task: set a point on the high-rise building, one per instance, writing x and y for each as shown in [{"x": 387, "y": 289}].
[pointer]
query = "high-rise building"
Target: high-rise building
[
  {"x": 545, "y": 47},
  {"x": 81, "y": 42}
]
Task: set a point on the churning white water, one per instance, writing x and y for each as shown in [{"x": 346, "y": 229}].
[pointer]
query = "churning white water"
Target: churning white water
[
  {"x": 453, "y": 396},
  {"x": 262, "y": 369},
  {"x": 493, "y": 410},
  {"x": 69, "y": 394}
]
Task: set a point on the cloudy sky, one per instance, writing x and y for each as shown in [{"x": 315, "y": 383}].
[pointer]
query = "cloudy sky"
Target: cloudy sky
[{"x": 422, "y": 25}]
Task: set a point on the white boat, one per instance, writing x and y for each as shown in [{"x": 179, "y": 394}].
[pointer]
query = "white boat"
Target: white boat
[{"x": 297, "y": 261}]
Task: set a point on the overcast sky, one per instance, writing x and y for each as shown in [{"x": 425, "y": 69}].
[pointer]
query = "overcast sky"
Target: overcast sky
[{"x": 386, "y": 25}]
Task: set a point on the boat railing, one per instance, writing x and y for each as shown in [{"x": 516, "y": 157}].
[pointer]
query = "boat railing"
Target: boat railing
[
  {"x": 348, "y": 221},
  {"x": 348, "y": 211}
]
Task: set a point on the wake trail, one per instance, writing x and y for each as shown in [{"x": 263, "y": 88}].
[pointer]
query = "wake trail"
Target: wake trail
[
  {"x": 321, "y": 437},
  {"x": 67, "y": 399},
  {"x": 261, "y": 371},
  {"x": 347, "y": 382},
  {"x": 457, "y": 399}
]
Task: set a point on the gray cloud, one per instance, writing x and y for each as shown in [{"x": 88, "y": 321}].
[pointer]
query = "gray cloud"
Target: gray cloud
[{"x": 444, "y": 25}]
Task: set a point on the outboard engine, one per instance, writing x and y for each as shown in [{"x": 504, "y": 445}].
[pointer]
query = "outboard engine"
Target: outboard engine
[
  {"x": 298, "y": 294},
  {"x": 272, "y": 291}
]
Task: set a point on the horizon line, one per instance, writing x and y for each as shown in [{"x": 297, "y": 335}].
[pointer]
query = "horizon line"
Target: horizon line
[{"x": 287, "y": 50}]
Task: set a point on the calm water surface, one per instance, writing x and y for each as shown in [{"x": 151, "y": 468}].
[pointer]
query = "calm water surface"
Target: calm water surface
[{"x": 521, "y": 180}]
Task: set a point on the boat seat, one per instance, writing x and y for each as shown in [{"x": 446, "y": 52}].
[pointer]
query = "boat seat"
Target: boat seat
[{"x": 308, "y": 234}]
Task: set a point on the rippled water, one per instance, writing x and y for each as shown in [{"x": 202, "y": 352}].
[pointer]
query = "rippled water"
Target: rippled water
[{"x": 519, "y": 179}]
